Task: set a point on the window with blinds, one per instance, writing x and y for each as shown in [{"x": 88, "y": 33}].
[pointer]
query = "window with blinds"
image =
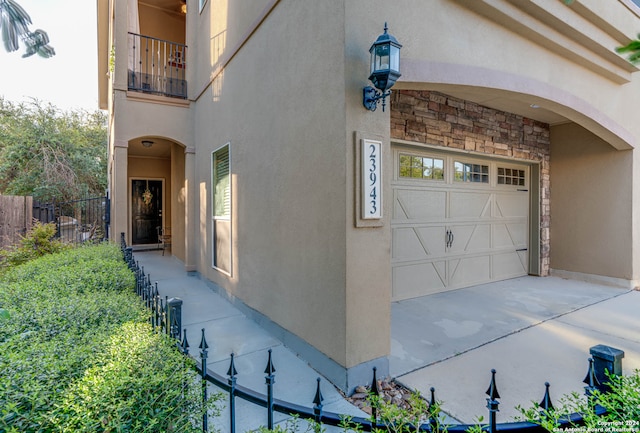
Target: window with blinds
[
  {"x": 221, "y": 209},
  {"x": 221, "y": 184}
]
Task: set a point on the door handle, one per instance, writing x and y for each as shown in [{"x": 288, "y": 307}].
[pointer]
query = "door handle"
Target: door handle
[{"x": 449, "y": 239}]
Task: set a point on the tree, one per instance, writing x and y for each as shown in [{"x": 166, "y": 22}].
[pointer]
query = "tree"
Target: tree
[
  {"x": 14, "y": 25},
  {"x": 633, "y": 48},
  {"x": 51, "y": 154}
]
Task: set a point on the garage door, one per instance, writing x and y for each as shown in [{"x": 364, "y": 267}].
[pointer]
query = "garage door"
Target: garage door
[{"x": 457, "y": 222}]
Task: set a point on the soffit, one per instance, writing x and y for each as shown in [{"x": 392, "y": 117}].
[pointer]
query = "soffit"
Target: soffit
[
  {"x": 531, "y": 108},
  {"x": 570, "y": 31}
]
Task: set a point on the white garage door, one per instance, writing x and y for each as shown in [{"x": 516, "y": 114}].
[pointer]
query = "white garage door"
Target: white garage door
[{"x": 457, "y": 222}]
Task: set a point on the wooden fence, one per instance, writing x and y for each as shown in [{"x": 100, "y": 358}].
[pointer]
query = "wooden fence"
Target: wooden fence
[{"x": 16, "y": 216}]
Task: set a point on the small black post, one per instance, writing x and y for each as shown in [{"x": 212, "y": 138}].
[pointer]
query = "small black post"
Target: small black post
[
  {"x": 174, "y": 307},
  {"x": 270, "y": 380},
  {"x": 232, "y": 395},
  {"x": 317, "y": 405},
  {"x": 492, "y": 402},
  {"x": 204, "y": 353},
  {"x": 606, "y": 358}
]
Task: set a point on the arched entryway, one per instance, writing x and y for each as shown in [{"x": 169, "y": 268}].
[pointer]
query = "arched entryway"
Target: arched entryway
[{"x": 156, "y": 193}]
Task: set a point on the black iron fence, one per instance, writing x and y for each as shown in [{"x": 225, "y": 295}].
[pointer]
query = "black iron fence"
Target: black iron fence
[
  {"x": 77, "y": 221},
  {"x": 166, "y": 317}
]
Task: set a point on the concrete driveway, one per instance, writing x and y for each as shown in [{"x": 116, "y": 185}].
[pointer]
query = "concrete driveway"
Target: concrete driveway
[{"x": 530, "y": 329}]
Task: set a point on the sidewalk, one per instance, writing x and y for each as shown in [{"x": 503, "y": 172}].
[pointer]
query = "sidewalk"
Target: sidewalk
[
  {"x": 530, "y": 329},
  {"x": 228, "y": 331}
]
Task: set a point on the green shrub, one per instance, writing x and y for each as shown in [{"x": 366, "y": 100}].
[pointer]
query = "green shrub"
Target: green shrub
[
  {"x": 76, "y": 353},
  {"x": 38, "y": 241},
  {"x": 140, "y": 383},
  {"x": 622, "y": 405}
]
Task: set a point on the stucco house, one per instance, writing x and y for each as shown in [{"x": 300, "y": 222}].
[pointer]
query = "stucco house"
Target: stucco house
[{"x": 508, "y": 147}]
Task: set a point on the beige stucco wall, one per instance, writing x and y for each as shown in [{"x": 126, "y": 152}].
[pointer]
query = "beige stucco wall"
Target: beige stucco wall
[
  {"x": 281, "y": 81},
  {"x": 442, "y": 48},
  {"x": 282, "y": 103},
  {"x": 288, "y": 164},
  {"x": 465, "y": 45},
  {"x": 591, "y": 203}
]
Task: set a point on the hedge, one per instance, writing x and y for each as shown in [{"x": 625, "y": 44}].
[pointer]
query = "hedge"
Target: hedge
[{"x": 77, "y": 353}]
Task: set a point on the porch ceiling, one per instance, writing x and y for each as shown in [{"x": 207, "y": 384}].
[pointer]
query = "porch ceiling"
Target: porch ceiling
[
  {"x": 160, "y": 148},
  {"x": 167, "y": 5}
]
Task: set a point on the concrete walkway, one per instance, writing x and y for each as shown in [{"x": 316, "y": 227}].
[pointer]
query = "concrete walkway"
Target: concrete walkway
[
  {"x": 529, "y": 329},
  {"x": 228, "y": 331}
]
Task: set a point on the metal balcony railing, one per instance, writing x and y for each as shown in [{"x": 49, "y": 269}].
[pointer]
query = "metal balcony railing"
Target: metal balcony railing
[{"x": 157, "y": 66}]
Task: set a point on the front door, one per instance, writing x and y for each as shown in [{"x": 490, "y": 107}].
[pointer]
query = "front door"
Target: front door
[{"x": 146, "y": 211}]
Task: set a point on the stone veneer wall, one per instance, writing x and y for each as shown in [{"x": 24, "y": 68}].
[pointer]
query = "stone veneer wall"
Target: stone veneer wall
[{"x": 441, "y": 120}]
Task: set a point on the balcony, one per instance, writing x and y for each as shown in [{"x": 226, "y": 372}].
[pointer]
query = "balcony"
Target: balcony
[{"x": 156, "y": 66}]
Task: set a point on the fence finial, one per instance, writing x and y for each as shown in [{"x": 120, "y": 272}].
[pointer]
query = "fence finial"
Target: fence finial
[
  {"x": 203, "y": 342},
  {"x": 433, "y": 416},
  {"x": 376, "y": 392},
  {"x": 591, "y": 380},
  {"x": 492, "y": 402},
  {"x": 317, "y": 403},
  {"x": 184, "y": 345},
  {"x": 374, "y": 383},
  {"x": 317, "y": 400},
  {"x": 492, "y": 391},
  {"x": 203, "y": 358},
  {"x": 270, "y": 380},
  {"x": 546, "y": 400},
  {"x": 270, "y": 368},
  {"x": 232, "y": 372}
]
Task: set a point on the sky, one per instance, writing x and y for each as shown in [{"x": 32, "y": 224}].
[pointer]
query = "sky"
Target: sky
[{"x": 68, "y": 80}]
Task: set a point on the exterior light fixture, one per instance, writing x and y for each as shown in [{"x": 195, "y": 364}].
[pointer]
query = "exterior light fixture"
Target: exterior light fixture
[
  {"x": 385, "y": 70},
  {"x": 147, "y": 143}
]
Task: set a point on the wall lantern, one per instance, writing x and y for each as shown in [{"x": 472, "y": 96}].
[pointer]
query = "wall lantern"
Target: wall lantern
[{"x": 385, "y": 70}]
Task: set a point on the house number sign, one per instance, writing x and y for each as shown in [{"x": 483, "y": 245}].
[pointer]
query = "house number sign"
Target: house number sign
[{"x": 371, "y": 179}]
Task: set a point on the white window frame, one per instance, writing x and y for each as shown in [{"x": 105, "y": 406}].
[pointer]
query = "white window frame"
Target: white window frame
[{"x": 215, "y": 218}]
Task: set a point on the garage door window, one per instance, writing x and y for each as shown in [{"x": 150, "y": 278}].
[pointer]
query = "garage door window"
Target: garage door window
[
  {"x": 467, "y": 172},
  {"x": 420, "y": 167},
  {"x": 510, "y": 176}
]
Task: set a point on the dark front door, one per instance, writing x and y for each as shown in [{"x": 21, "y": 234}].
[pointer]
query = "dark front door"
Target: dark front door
[{"x": 146, "y": 211}]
